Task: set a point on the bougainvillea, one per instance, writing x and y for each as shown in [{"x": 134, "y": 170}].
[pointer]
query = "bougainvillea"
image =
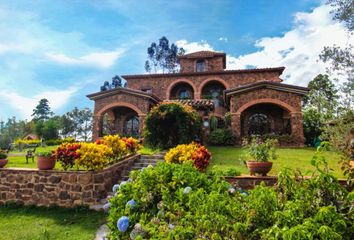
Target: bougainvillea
[
  {"x": 193, "y": 152},
  {"x": 66, "y": 154}
]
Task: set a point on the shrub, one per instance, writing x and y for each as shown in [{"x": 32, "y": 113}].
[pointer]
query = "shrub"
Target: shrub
[
  {"x": 175, "y": 201},
  {"x": 261, "y": 151},
  {"x": 232, "y": 172},
  {"x": 44, "y": 154},
  {"x": 3, "y": 155},
  {"x": 117, "y": 145},
  {"x": 27, "y": 142},
  {"x": 132, "y": 145},
  {"x": 193, "y": 152},
  {"x": 170, "y": 124},
  {"x": 221, "y": 137},
  {"x": 66, "y": 154},
  {"x": 93, "y": 156}
]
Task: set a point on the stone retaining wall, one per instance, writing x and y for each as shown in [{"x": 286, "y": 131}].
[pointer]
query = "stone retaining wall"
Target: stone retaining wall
[
  {"x": 61, "y": 188},
  {"x": 249, "y": 182}
]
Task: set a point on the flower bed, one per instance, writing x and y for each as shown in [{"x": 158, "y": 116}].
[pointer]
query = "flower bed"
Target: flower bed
[{"x": 176, "y": 201}]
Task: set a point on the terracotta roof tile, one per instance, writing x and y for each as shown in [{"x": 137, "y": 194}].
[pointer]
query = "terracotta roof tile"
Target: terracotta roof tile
[{"x": 198, "y": 104}]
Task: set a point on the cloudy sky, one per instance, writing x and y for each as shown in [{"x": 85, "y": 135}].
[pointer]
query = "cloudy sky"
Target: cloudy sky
[{"x": 64, "y": 50}]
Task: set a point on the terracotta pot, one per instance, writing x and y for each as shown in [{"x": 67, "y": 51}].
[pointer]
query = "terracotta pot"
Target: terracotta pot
[
  {"x": 261, "y": 168},
  {"x": 3, "y": 162},
  {"x": 45, "y": 163}
]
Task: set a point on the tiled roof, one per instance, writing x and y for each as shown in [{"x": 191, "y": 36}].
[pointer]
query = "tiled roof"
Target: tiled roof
[
  {"x": 266, "y": 84},
  {"x": 114, "y": 91},
  {"x": 237, "y": 71},
  {"x": 203, "y": 54},
  {"x": 198, "y": 104}
]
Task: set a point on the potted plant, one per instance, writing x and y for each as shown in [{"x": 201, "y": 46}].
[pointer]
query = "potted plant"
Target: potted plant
[
  {"x": 261, "y": 152},
  {"x": 45, "y": 161},
  {"x": 3, "y": 159}
]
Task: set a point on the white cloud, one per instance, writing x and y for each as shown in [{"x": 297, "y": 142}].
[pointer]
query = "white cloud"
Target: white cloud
[
  {"x": 99, "y": 59},
  {"x": 25, "y": 105},
  {"x": 297, "y": 49},
  {"x": 194, "y": 46},
  {"x": 224, "y": 39}
]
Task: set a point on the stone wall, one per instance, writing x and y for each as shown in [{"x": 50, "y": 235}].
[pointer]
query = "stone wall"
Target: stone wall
[
  {"x": 161, "y": 84},
  {"x": 61, "y": 188}
]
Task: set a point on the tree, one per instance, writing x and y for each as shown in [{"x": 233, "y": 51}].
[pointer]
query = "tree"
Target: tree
[
  {"x": 342, "y": 59},
  {"x": 323, "y": 96},
  {"x": 77, "y": 123},
  {"x": 117, "y": 82},
  {"x": 170, "y": 124},
  {"x": 42, "y": 111},
  {"x": 163, "y": 56},
  {"x": 313, "y": 124}
]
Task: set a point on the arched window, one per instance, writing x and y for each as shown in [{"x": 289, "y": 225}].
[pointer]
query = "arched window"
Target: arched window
[
  {"x": 131, "y": 126},
  {"x": 214, "y": 90},
  {"x": 182, "y": 91},
  {"x": 259, "y": 124},
  {"x": 201, "y": 65}
]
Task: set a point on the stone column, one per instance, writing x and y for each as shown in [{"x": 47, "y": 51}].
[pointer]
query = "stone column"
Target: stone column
[
  {"x": 96, "y": 127},
  {"x": 297, "y": 130},
  {"x": 197, "y": 95},
  {"x": 236, "y": 126},
  {"x": 142, "y": 124}
]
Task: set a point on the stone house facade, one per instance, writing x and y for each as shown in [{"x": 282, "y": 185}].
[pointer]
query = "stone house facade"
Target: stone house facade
[{"x": 256, "y": 99}]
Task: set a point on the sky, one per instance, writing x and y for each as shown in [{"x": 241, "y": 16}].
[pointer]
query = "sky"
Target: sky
[{"x": 64, "y": 50}]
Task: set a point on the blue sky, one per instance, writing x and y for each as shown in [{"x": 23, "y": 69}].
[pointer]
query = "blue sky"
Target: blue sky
[{"x": 63, "y": 50}]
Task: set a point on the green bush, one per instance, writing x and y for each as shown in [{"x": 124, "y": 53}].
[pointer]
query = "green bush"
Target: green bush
[
  {"x": 221, "y": 137},
  {"x": 172, "y": 201},
  {"x": 232, "y": 172},
  {"x": 170, "y": 124}
]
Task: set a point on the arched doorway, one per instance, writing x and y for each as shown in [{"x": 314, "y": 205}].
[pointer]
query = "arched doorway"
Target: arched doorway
[
  {"x": 120, "y": 120},
  {"x": 213, "y": 90},
  {"x": 265, "y": 119},
  {"x": 131, "y": 126}
]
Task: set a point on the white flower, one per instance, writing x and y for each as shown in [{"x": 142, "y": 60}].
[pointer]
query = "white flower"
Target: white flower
[{"x": 187, "y": 190}]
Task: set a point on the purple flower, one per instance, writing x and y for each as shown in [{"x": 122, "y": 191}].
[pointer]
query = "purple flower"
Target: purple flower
[
  {"x": 171, "y": 226},
  {"x": 131, "y": 203},
  {"x": 231, "y": 190},
  {"x": 115, "y": 188},
  {"x": 106, "y": 207},
  {"x": 187, "y": 190},
  {"x": 123, "y": 223}
]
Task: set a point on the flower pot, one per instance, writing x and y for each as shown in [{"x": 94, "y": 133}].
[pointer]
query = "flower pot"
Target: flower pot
[
  {"x": 261, "y": 168},
  {"x": 45, "y": 163},
  {"x": 3, "y": 162}
]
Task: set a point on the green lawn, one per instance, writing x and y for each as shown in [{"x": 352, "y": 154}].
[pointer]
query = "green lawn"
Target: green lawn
[
  {"x": 48, "y": 223},
  {"x": 38, "y": 149},
  {"x": 294, "y": 158}
]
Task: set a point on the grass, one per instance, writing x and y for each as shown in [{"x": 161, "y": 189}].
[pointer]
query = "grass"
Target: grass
[
  {"x": 38, "y": 149},
  {"x": 148, "y": 151},
  {"x": 295, "y": 158},
  {"x": 48, "y": 223}
]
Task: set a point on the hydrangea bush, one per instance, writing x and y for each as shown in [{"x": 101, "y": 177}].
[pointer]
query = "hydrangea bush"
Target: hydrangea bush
[{"x": 176, "y": 201}]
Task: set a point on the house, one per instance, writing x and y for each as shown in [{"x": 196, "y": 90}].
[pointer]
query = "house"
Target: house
[{"x": 256, "y": 99}]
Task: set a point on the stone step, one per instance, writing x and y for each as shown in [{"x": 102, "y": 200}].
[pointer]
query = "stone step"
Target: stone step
[
  {"x": 159, "y": 156},
  {"x": 149, "y": 160}
]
